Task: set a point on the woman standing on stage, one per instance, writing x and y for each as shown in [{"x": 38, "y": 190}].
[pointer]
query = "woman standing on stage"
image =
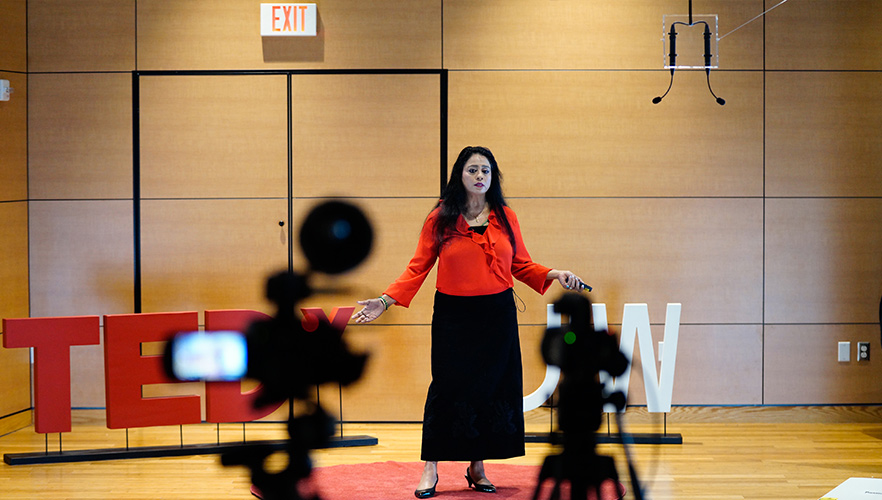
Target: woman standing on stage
[{"x": 474, "y": 407}]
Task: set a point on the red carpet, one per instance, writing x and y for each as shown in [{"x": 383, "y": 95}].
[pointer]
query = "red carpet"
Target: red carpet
[{"x": 391, "y": 480}]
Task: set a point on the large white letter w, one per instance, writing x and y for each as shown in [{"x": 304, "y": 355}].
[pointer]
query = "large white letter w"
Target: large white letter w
[{"x": 635, "y": 320}]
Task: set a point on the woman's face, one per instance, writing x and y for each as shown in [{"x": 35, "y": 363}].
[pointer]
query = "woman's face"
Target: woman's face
[{"x": 477, "y": 175}]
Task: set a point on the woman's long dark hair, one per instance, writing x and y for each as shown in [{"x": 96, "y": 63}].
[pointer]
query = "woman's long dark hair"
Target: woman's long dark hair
[{"x": 454, "y": 198}]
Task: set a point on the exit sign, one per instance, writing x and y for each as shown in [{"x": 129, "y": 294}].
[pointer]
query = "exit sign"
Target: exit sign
[{"x": 288, "y": 19}]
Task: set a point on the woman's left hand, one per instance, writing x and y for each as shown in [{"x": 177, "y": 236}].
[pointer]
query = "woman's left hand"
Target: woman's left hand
[{"x": 570, "y": 281}]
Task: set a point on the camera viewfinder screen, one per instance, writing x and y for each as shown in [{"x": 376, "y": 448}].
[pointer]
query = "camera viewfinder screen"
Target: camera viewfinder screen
[{"x": 212, "y": 356}]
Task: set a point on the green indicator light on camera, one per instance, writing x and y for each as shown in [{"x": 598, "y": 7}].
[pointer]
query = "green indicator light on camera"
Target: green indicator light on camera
[{"x": 570, "y": 338}]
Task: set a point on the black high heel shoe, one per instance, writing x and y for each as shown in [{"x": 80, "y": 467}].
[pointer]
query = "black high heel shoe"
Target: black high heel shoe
[
  {"x": 483, "y": 488},
  {"x": 428, "y": 492}
]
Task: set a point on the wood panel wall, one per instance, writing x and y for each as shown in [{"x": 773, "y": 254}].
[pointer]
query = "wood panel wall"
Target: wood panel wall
[
  {"x": 760, "y": 216},
  {"x": 15, "y": 394}
]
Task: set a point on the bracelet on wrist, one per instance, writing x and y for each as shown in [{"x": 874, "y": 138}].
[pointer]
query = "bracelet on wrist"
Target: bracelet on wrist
[{"x": 385, "y": 304}]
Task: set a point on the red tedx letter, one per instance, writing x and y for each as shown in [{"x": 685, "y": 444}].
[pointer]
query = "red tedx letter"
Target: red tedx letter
[
  {"x": 225, "y": 401},
  {"x": 126, "y": 370},
  {"x": 51, "y": 339},
  {"x": 339, "y": 317}
]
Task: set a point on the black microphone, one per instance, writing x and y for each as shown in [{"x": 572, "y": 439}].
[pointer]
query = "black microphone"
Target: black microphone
[
  {"x": 658, "y": 99},
  {"x": 720, "y": 100},
  {"x": 672, "y": 57},
  {"x": 707, "y": 63},
  {"x": 707, "y": 47}
]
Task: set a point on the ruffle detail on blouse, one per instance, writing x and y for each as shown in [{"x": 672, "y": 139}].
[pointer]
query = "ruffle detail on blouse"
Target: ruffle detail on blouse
[{"x": 487, "y": 242}]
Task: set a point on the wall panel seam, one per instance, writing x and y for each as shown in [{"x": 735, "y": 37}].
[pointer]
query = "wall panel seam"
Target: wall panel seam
[
  {"x": 40, "y": 200},
  {"x": 15, "y": 413},
  {"x": 594, "y": 70},
  {"x": 79, "y": 72}
]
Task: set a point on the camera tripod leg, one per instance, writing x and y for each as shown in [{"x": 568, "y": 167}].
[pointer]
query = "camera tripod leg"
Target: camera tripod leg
[
  {"x": 552, "y": 467},
  {"x": 584, "y": 473}
]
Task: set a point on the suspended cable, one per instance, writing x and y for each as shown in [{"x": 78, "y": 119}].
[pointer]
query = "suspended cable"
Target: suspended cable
[{"x": 752, "y": 20}]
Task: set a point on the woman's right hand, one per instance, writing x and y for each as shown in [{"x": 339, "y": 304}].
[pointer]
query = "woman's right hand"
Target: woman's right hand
[{"x": 372, "y": 310}]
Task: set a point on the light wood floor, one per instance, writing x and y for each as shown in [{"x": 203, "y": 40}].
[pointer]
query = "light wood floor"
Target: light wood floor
[{"x": 761, "y": 459}]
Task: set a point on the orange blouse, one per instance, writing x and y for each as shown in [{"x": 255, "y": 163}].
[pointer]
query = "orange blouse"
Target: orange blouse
[{"x": 470, "y": 263}]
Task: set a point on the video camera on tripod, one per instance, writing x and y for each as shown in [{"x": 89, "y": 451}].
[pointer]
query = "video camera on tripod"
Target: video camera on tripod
[
  {"x": 581, "y": 353},
  {"x": 287, "y": 360}
]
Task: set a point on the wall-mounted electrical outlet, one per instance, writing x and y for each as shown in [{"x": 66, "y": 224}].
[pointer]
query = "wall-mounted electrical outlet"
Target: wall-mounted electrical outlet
[
  {"x": 4, "y": 90},
  {"x": 844, "y": 351},
  {"x": 863, "y": 353}
]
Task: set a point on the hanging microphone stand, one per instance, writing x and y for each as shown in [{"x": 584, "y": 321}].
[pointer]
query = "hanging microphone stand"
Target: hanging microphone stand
[{"x": 672, "y": 55}]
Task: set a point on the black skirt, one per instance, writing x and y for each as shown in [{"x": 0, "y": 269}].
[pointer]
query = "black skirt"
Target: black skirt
[{"x": 474, "y": 408}]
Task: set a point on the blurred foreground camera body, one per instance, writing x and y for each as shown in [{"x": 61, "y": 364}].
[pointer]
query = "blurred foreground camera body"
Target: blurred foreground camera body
[
  {"x": 288, "y": 360},
  {"x": 577, "y": 346}
]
